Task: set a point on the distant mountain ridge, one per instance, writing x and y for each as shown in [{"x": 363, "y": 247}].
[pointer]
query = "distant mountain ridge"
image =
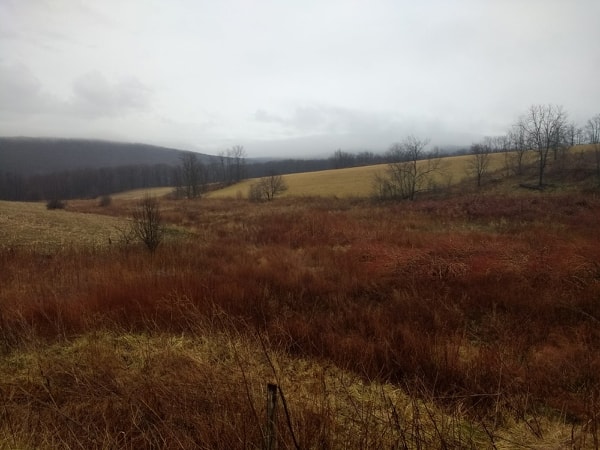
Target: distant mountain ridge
[{"x": 39, "y": 156}]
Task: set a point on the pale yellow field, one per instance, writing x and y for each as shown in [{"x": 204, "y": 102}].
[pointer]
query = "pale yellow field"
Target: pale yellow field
[
  {"x": 355, "y": 181},
  {"x": 32, "y": 225},
  {"x": 350, "y": 182},
  {"x": 140, "y": 193}
]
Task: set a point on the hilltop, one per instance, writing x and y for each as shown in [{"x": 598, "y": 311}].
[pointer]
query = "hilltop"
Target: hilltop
[{"x": 38, "y": 156}]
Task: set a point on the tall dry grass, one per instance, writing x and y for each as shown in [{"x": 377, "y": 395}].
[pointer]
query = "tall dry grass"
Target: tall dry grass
[{"x": 483, "y": 307}]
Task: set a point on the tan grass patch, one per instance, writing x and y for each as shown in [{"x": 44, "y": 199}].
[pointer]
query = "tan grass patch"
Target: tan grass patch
[
  {"x": 356, "y": 181},
  {"x": 32, "y": 225},
  {"x": 138, "y": 194},
  {"x": 106, "y": 390}
]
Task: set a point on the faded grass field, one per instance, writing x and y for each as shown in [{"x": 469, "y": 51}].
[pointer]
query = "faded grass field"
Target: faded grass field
[
  {"x": 344, "y": 183},
  {"x": 350, "y": 182},
  {"x": 358, "y": 182},
  {"x": 32, "y": 225},
  {"x": 465, "y": 321}
]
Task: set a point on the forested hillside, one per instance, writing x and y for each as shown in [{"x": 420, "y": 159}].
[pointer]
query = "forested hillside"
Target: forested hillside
[
  {"x": 36, "y": 156},
  {"x": 36, "y": 168}
]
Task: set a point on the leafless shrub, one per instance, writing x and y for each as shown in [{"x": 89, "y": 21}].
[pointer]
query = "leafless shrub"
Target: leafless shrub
[
  {"x": 147, "y": 224},
  {"x": 105, "y": 200},
  {"x": 56, "y": 204},
  {"x": 409, "y": 172},
  {"x": 267, "y": 188}
]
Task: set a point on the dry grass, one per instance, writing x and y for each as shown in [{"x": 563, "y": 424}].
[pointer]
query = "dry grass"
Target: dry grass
[
  {"x": 138, "y": 194},
  {"x": 32, "y": 225},
  {"x": 343, "y": 183},
  {"x": 468, "y": 322},
  {"x": 357, "y": 182},
  {"x": 207, "y": 390},
  {"x": 350, "y": 182}
]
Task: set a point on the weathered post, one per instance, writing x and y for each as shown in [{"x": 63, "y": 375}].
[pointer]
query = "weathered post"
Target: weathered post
[{"x": 271, "y": 434}]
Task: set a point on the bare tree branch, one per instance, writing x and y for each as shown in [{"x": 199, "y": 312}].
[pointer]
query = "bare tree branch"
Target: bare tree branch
[
  {"x": 410, "y": 170},
  {"x": 147, "y": 223},
  {"x": 544, "y": 128}
]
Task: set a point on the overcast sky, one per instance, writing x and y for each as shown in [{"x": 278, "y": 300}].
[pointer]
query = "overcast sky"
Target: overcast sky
[{"x": 289, "y": 77}]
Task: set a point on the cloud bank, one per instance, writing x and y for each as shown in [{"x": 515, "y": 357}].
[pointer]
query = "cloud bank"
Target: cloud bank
[{"x": 295, "y": 77}]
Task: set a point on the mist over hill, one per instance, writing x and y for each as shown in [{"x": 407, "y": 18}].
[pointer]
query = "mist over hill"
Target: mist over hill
[
  {"x": 32, "y": 169},
  {"x": 38, "y": 156}
]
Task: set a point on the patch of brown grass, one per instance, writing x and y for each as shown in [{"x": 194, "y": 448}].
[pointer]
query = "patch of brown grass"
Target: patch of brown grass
[{"x": 207, "y": 390}]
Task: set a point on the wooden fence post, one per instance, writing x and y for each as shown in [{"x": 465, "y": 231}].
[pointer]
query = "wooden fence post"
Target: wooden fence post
[{"x": 271, "y": 434}]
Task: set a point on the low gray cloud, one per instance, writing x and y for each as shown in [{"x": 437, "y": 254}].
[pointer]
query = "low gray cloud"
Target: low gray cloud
[
  {"x": 91, "y": 109},
  {"x": 321, "y": 129},
  {"x": 320, "y": 119},
  {"x": 21, "y": 91},
  {"x": 95, "y": 96},
  {"x": 309, "y": 76}
]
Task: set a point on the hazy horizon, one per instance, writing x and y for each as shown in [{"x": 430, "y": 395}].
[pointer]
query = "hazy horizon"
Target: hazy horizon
[{"x": 294, "y": 79}]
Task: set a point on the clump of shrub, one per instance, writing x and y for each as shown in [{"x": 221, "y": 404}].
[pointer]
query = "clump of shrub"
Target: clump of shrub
[
  {"x": 56, "y": 204},
  {"x": 147, "y": 225},
  {"x": 267, "y": 188},
  {"x": 105, "y": 200}
]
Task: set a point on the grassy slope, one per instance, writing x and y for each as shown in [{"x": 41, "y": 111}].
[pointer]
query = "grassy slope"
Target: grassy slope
[
  {"x": 141, "y": 352},
  {"x": 140, "y": 193},
  {"x": 118, "y": 371},
  {"x": 355, "y": 181},
  {"x": 342, "y": 183},
  {"x": 358, "y": 181},
  {"x": 32, "y": 225}
]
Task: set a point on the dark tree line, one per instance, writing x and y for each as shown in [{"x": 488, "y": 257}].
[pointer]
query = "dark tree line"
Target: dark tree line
[
  {"x": 342, "y": 159},
  {"x": 191, "y": 177},
  {"x": 84, "y": 183},
  {"x": 194, "y": 175},
  {"x": 284, "y": 166},
  {"x": 44, "y": 155},
  {"x": 339, "y": 160}
]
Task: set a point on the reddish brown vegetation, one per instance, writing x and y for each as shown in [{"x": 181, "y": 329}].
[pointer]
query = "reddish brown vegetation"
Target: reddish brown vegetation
[{"x": 489, "y": 301}]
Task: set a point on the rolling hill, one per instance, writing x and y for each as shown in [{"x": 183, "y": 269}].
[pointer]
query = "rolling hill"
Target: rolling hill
[{"x": 38, "y": 156}]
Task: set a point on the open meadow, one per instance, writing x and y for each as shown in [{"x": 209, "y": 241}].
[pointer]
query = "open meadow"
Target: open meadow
[
  {"x": 458, "y": 321},
  {"x": 31, "y": 225},
  {"x": 349, "y": 182}
]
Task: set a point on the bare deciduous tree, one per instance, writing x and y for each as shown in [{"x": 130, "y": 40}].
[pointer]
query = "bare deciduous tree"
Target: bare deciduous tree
[
  {"x": 544, "y": 128},
  {"x": 579, "y": 136},
  {"x": 343, "y": 159},
  {"x": 147, "y": 223},
  {"x": 518, "y": 149},
  {"x": 237, "y": 156},
  {"x": 192, "y": 182},
  {"x": 480, "y": 161},
  {"x": 267, "y": 188},
  {"x": 570, "y": 135},
  {"x": 222, "y": 167},
  {"x": 592, "y": 132},
  {"x": 231, "y": 165},
  {"x": 409, "y": 172}
]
